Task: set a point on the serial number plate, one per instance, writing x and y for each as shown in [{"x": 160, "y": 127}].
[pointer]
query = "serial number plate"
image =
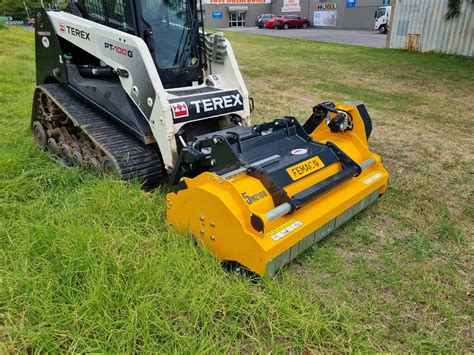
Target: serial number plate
[{"x": 305, "y": 168}]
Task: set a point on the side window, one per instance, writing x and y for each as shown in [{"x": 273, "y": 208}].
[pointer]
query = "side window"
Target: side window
[{"x": 113, "y": 13}]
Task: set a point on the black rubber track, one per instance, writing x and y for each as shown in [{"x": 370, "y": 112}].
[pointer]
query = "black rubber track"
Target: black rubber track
[{"x": 134, "y": 159}]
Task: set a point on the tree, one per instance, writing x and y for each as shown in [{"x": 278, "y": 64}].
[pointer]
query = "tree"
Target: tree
[
  {"x": 454, "y": 8},
  {"x": 16, "y": 9}
]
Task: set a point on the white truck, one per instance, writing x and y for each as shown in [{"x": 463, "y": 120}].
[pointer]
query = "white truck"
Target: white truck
[{"x": 382, "y": 16}]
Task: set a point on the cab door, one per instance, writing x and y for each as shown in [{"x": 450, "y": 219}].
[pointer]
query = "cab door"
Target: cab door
[{"x": 380, "y": 17}]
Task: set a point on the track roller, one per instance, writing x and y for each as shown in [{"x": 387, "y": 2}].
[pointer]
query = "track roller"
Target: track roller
[
  {"x": 75, "y": 146},
  {"x": 66, "y": 155},
  {"x": 77, "y": 159},
  {"x": 40, "y": 134},
  {"x": 94, "y": 164},
  {"x": 52, "y": 146},
  {"x": 109, "y": 167}
]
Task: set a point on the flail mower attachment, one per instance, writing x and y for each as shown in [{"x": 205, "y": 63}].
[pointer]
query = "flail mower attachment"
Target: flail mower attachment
[{"x": 267, "y": 193}]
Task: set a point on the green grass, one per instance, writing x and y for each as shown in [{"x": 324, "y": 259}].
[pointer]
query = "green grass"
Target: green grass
[{"x": 88, "y": 264}]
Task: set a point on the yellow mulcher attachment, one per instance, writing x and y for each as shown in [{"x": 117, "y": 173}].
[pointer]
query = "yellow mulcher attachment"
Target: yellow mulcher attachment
[{"x": 269, "y": 192}]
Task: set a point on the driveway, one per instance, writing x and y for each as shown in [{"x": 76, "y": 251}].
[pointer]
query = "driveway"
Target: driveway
[{"x": 357, "y": 38}]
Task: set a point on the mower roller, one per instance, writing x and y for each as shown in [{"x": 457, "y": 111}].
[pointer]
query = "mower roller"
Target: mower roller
[{"x": 138, "y": 89}]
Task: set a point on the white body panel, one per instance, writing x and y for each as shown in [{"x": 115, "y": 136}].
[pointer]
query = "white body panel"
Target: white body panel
[{"x": 143, "y": 83}]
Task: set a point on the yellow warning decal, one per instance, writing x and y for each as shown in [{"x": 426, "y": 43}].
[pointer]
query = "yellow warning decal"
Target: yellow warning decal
[
  {"x": 284, "y": 229},
  {"x": 305, "y": 168}
]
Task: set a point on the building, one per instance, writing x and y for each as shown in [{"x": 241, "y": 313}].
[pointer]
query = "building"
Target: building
[
  {"x": 341, "y": 14},
  {"x": 420, "y": 25}
]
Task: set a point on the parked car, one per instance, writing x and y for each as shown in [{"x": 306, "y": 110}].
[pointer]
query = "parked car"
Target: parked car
[
  {"x": 31, "y": 22},
  {"x": 291, "y": 21},
  {"x": 260, "y": 20},
  {"x": 270, "y": 23}
]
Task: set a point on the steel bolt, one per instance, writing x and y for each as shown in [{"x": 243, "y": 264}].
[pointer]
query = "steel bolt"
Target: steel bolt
[
  {"x": 213, "y": 237},
  {"x": 201, "y": 218},
  {"x": 201, "y": 231}
]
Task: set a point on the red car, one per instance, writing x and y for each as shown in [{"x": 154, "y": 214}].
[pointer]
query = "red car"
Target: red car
[
  {"x": 291, "y": 21},
  {"x": 270, "y": 23}
]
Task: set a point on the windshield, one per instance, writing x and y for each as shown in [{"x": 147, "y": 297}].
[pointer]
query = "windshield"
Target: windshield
[
  {"x": 380, "y": 12},
  {"x": 175, "y": 32}
]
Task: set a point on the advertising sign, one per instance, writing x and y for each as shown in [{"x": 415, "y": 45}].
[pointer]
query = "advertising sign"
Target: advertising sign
[
  {"x": 351, "y": 3},
  {"x": 217, "y": 15},
  {"x": 291, "y": 6},
  {"x": 235, "y": 2},
  {"x": 325, "y": 18},
  {"x": 325, "y": 7}
]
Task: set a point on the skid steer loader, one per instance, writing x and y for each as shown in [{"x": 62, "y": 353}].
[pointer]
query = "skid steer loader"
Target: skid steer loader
[{"x": 136, "y": 88}]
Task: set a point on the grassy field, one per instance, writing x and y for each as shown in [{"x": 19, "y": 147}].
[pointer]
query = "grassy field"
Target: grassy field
[{"x": 87, "y": 264}]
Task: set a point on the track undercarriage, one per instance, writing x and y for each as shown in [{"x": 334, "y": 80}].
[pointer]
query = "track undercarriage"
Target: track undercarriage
[{"x": 80, "y": 136}]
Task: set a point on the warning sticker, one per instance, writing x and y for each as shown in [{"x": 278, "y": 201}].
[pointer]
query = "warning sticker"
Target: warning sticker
[
  {"x": 284, "y": 229},
  {"x": 372, "y": 178}
]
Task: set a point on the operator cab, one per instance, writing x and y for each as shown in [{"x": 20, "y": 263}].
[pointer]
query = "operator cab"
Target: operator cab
[{"x": 170, "y": 28}]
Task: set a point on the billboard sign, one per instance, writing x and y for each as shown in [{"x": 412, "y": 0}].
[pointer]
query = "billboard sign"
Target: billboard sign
[
  {"x": 325, "y": 18},
  {"x": 291, "y": 6}
]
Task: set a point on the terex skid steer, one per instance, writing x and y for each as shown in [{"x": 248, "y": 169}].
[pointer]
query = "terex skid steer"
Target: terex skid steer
[{"x": 136, "y": 88}]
